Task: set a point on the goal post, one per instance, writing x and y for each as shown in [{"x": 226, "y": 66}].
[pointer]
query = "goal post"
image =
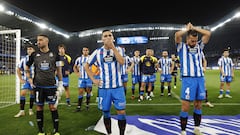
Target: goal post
[{"x": 10, "y": 47}]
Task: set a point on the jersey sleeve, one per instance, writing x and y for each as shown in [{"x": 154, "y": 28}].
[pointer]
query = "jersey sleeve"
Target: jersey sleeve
[{"x": 31, "y": 59}]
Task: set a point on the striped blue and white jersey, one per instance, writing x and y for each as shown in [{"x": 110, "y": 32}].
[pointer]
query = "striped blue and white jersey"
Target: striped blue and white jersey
[
  {"x": 110, "y": 68},
  {"x": 226, "y": 65},
  {"x": 191, "y": 59},
  {"x": 80, "y": 63},
  {"x": 165, "y": 65},
  {"x": 125, "y": 65},
  {"x": 22, "y": 65},
  {"x": 136, "y": 67}
]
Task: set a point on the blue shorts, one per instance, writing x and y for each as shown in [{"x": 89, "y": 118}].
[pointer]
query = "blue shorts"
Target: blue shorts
[
  {"x": 136, "y": 79},
  {"x": 65, "y": 81},
  {"x": 84, "y": 83},
  {"x": 148, "y": 78},
  {"x": 153, "y": 78},
  {"x": 226, "y": 79},
  {"x": 124, "y": 78},
  {"x": 166, "y": 78},
  {"x": 26, "y": 86},
  {"x": 111, "y": 95},
  {"x": 193, "y": 88}
]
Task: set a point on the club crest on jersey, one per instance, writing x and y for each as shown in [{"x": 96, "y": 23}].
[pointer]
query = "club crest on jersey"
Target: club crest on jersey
[
  {"x": 193, "y": 50},
  {"x": 38, "y": 55},
  {"x": 44, "y": 65},
  {"x": 108, "y": 58}
]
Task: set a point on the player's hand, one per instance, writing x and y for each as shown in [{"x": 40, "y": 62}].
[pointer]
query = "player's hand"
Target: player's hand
[
  {"x": 97, "y": 82},
  {"x": 58, "y": 99},
  {"x": 60, "y": 88},
  {"x": 22, "y": 81},
  {"x": 30, "y": 80}
]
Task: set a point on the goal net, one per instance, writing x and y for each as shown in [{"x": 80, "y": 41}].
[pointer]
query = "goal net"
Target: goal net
[{"x": 10, "y": 45}]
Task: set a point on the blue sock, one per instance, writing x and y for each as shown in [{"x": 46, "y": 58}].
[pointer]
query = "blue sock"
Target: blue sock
[
  {"x": 121, "y": 116},
  {"x": 198, "y": 111},
  {"x": 227, "y": 92},
  {"x": 183, "y": 114}
]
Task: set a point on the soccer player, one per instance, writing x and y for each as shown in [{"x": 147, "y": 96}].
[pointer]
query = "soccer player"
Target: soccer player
[
  {"x": 135, "y": 69},
  {"x": 84, "y": 82},
  {"x": 45, "y": 63},
  {"x": 111, "y": 91},
  {"x": 191, "y": 70},
  {"x": 166, "y": 66},
  {"x": 25, "y": 84},
  {"x": 175, "y": 69},
  {"x": 125, "y": 70},
  {"x": 148, "y": 63},
  {"x": 153, "y": 79},
  {"x": 226, "y": 73},
  {"x": 66, "y": 70}
]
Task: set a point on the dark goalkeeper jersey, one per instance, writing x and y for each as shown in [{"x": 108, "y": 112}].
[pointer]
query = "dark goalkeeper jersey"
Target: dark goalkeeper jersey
[
  {"x": 67, "y": 64},
  {"x": 44, "y": 67},
  {"x": 147, "y": 64}
]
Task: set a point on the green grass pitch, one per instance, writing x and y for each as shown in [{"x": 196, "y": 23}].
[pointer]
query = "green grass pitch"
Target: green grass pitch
[{"x": 72, "y": 123}]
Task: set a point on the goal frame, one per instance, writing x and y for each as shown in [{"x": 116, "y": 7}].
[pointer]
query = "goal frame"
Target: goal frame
[{"x": 18, "y": 48}]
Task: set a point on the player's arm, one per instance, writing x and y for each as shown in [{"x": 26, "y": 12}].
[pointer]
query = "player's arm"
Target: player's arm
[
  {"x": 220, "y": 67},
  {"x": 172, "y": 66},
  {"x": 205, "y": 34},
  {"x": 131, "y": 66},
  {"x": 59, "y": 65},
  {"x": 232, "y": 69},
  {"x": 68, "y": 63},
  {"x": 27, "y": 69},
  {"x": 180, "y": 33},
  {"x": 204, "y": 64},
  {"x": 118, "y": 55},
  {"x": 91, "y": 60},
  {"x": 221, "y": 71},
  {"x": 76, "y": 68},
  {"x": 19, "y": 74},
  {"x": 158, "y": 66},
  {"x": 91, "y": 74}
]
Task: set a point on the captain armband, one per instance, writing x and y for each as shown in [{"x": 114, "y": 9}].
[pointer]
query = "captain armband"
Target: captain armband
[{"x": 59, "y": 63}]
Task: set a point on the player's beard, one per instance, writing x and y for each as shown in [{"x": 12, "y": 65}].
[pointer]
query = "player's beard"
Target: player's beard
[
  {"x": 41, "y": 46},
  {"x": 192, "y": 46}
]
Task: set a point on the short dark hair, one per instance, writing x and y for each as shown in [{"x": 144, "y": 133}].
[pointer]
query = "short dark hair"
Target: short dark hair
[
  {"x": 193, "y": 33},
  {"x": 28, "y": 45},
  {"x": 225, "y": 49},
  {"x": 62, "y": 45},
  {"x": 106, "y": 30},
  {"x": 43, "y": 35}
]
